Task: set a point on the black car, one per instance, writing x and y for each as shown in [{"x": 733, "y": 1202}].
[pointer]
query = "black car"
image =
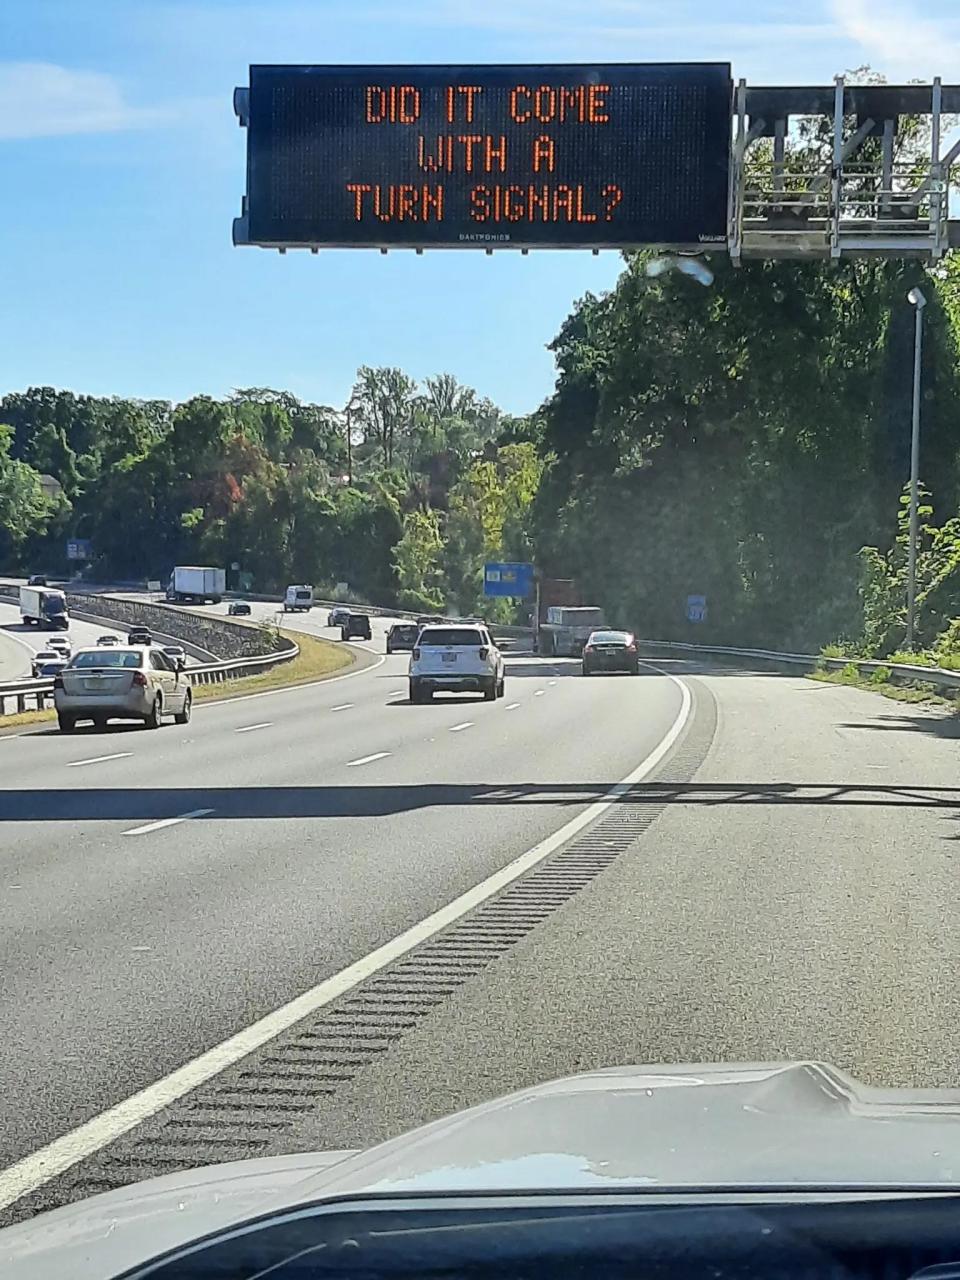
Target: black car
[
  {"x": 239, "y": 609},
  {"x": 36, "y": 580},
  {"x": 402, "y": 635},
  {"x": 610, "y": 651},
  {"x": 356, "y": 626},
  {"x": 139, "y": 635}
]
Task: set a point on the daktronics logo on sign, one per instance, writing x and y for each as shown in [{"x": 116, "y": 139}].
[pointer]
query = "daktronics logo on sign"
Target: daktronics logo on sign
[{"x": 521, "y": 156}]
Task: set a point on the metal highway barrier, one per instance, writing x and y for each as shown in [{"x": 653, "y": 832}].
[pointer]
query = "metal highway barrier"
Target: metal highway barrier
[{"x": 896, "y": 672}]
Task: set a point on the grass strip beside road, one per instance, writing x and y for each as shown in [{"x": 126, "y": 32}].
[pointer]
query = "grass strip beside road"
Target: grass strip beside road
[
  {"x": 880, "y": 682},
  {"x": 316, "y": 660}
]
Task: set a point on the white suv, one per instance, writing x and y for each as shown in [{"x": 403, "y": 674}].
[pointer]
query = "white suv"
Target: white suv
[{"x": 455, "y": 657}]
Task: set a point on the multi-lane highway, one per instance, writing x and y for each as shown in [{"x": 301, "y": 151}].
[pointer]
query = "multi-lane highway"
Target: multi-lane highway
[
  {"x": 776, "y": 879},
  {"x": 18, "y": 642}
]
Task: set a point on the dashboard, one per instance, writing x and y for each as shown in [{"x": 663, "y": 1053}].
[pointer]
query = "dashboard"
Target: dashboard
[{"x": 792, "y": 1235}]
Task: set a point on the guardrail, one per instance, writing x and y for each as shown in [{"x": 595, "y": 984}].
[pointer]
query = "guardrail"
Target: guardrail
[
  {"x": 899, "y": 672},
  {"x": 34, "y": 695}
]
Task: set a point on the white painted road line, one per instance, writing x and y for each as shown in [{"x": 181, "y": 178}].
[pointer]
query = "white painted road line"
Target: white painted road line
[
  {"x": 377, "y": 755},
  {"x": 167, "y": 822},
  {"x": 117, "y": 755},
  {"x": 398, "y": 693},
  {"x": 467, "y": 724},
  {"x": 551, "y": 682},
  {"x": 344, "y": 706},
  {"x": 539, "y": 693},
  {"x": 63, "y": 1153},
  {"x": 512, "y": 706},
  {"x": 249, "y": 728}
]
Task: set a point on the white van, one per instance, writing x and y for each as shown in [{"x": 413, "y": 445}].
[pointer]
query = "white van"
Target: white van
[{"x": 298, "y": 599}]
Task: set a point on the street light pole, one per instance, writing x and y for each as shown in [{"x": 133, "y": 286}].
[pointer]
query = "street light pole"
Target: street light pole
[{"x": 919, "y": 302}]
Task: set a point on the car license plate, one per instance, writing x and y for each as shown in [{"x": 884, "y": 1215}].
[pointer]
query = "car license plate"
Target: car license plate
[
  {"x": 94, "y": 682},
  {"x": 449, "y": 657}
]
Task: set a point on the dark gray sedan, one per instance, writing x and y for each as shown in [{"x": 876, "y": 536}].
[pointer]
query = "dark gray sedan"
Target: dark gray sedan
[{"x": 610, "y": 651}]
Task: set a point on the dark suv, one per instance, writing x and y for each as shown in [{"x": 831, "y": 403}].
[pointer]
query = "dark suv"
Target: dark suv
[
  {"x": 356, "y": 626},
  {"x": 402, "y": 635},
  {"x": 139, "y": 635}
]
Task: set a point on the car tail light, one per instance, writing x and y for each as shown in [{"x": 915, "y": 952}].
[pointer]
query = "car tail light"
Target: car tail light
[
  {"x": 588, "y": 648},
  {"x": 632, "y": 645},
  {"x": 415, "y": 653},
  {"x": 140, "y": 679},
  {"x": 483, "y": 652},
  {"x": 58, "y": 682}
]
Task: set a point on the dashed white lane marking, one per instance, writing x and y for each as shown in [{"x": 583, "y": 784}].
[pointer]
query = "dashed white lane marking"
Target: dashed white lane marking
[
  {"x": 511, "y": 706},
  {"x": 377, "y": 755},
  {"x": 467, "y": 724},
  {"x": 538, "y": 693},
  {"x": 398, "y": 693},
  {"x": 167, "y": 822},
  {"x": 551, "y": 682},
  {"x": 344, "y": 706},
  {"x": 117, "y": 755},
  {"x": 249, "y": 728},
  {"x": 48, "y": 1162}
]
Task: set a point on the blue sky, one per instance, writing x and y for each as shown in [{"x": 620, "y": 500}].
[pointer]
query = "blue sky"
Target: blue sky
[{"x": 123, "y": 166}]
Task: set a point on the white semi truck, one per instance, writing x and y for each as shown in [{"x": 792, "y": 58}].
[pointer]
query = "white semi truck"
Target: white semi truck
[
  {"x": 196, "y": 584},
  {"x": 44, "y": 607}
]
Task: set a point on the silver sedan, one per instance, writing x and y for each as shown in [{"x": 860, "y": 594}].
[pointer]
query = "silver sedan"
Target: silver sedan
[{"x": 129, "y": 683}]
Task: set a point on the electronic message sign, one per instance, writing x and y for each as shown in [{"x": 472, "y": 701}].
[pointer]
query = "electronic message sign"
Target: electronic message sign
[{"x": 492, "y": 157}]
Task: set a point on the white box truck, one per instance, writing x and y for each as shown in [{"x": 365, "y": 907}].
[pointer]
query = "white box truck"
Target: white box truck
[
  {"x": 196, "y": 584},
  {"x": 298, "y": 599},
  {"x": 45, "y": 607}
]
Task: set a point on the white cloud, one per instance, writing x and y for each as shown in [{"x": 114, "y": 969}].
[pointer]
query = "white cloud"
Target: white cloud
[
  {"x": 898, "y": 42},
  {"x": 43, "y": 100}
]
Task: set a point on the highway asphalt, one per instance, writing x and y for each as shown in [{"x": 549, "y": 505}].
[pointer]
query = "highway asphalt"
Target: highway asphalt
[
  {"x": 17, "y": 641},
  {"x": 790, "y": 891}
]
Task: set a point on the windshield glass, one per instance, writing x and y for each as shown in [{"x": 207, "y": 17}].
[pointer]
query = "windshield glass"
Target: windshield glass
[
  {"x": 540, "y": 425},
  {"x": 110, "y": 658},
  {"x": 450, "y": 636}
]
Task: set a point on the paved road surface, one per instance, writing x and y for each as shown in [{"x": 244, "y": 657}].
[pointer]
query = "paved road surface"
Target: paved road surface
[
  {"x": 791, "y": 889},
  {"x": 17, "y": 641}
]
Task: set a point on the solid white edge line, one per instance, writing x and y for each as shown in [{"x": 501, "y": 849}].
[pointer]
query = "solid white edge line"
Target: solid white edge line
[
  {"x": 166, "y": 822},
  {"x": 118, "y": 755},
  {"x": 33, "y": 1171}
]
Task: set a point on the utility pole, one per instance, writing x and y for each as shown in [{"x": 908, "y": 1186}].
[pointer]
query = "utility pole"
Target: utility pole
[
  {"x": 917, "y": 299},
  {"x": 348, "y": 415}
]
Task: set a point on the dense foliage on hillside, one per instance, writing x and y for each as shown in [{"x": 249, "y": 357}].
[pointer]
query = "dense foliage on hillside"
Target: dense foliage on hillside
[{"x": 748, "y": 441}]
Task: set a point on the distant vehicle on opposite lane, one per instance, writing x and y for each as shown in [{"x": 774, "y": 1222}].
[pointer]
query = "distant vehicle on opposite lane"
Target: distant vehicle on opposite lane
[
  {"x": 36, "y": 580},
  {"x": 42, "y": 656},
  {"x": 402, "y": 636},
  {"x": 337, "y": 614},
  {"x": 454, "y": 659},
  {"x": 356, "y": 626},
  {"x": 129, "y": 683},
  {"x": 45, "y": 608},
  {"x": 239, "y": 609},
  {"x": 52, "y": 667},
  {"x": 298, "y": 599},
  {"x": 610, "y": 651}
]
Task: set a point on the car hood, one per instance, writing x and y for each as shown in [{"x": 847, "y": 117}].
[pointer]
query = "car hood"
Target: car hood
[{"x": 790, "y": 1125}]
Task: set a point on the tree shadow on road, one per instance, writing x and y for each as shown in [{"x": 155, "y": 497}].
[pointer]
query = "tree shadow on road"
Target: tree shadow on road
[
  {"x": 145, "y": 804},
  {"x": 946, "y": 725}
]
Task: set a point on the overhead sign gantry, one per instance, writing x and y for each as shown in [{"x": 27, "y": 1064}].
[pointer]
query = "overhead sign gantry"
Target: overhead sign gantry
[
  {"x": 589, "y": 156},
  {"x": 598, "y": 156}
]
